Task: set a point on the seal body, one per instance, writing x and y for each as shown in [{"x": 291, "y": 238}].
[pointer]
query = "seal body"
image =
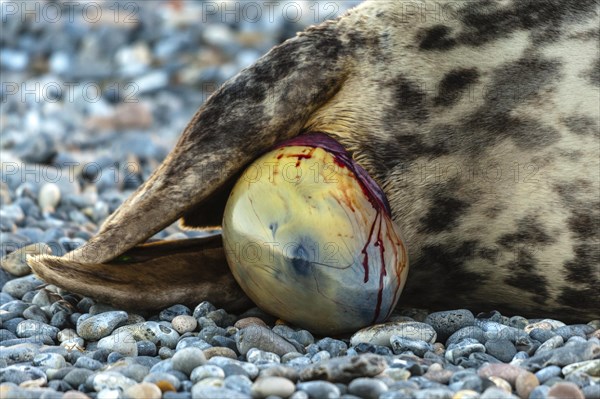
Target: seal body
[{"x": 479, "y": 120}]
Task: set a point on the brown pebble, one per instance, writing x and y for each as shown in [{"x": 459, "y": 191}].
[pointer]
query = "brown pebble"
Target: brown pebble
[
  {"x": 248, "y": 321},
  {"x": 436, "y": 373},
  {"x": 219, "y": 351},
  {"x": 143, "y": 390},
  {"x": 439, "y": 349},
  {"x": 564, "y": 390},
  {"x": 507, "y": 372},
  {"x": 525, "y": 383},
  {"x": 165, "y": 386}
]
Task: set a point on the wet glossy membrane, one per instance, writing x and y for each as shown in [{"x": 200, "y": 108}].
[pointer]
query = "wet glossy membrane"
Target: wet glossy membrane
[{"x": 309, "y": 237}]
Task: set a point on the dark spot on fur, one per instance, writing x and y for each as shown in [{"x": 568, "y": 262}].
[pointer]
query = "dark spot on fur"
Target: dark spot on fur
[
  {"x": 584, "y": 223},
  {"x": 409, "y": 100},
  {"x": 443, "y": 214},
  {"x": 442, "y": 269},
  {"x": 513, "y": 84},
  {"x": 580, "y": 298},
  {"x": 437, "y": 38},
  {"x": 583, "y": 268},
  {"x": 487, "y": 20},
  {"x": 594, "y": 73},
  {"x": 454, "y": 84},
  {"x": 529, "y": 232},
  {"x": 582, "y": 125},
  {"x": 523, "y": 275}
]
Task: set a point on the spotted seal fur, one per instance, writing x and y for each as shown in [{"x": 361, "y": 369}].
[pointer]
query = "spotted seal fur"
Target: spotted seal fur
[{"x": 480, "y": 120}]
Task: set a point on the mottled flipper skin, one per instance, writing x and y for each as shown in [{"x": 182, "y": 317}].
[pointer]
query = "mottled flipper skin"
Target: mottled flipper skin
[{"x": 480, "y": 120}]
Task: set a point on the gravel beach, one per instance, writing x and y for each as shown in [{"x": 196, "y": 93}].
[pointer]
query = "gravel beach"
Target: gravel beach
[{"x": 94, "y": 95}]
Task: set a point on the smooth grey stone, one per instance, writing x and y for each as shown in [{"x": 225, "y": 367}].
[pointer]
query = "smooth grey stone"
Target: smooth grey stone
[
  {"x": 345, "y": 369},
  {"x": 20, "y": 286},
  {"x": 367, "y": 388},
  {"x": 19, "y": 353},
  {"x": 135, "y": 371},
  {"x": 540, "y": 392},
  {"x": 208, "y": 392},
  {"x": 278, "y": 370},
  {"x": 51, "y": 360},
  {"x": 501, "y": 349},
  {"x": 496, "y": 393},
  {"x": 88, "y": 363},
  {"x": 563, "y": 356},
  {"x": 250, "y": 369},
  {"x": 121, "y": 342},
  {"x": 319, "y": 357},
  {"x": 154, "y": 332},
  {"x": 334, "y": 346},
  {"x": 101, "y": 325},
  {"x": 542, "y": 335},
  {"x": 187, "y": 359},
  {"x": 255, "y": 336},
  {"x": 418, "y": 347},
  {"x": 240, "y": 383},
  {"x": 35, "y": 313},
  {"x": 467, "y": 332},
  {"x": 550, "y": 344},
  {"x": 203, "y": 309},
  {"x": 433, "y": 393},
  {"x": 30, "y": 328},
  {"x": 206, "y": 371},
  {"x": 319, "y": 389},
  {"x": 460, "y": 351},
  {"x": 5, "y": 335},
  {"x": 171, "y": 312},
  {"x": 192, "y": 342},
  {"x": 18, "y": 374},
  {"x": 146, "y": 348},
  {"x": 257, "y": 356},
  {"x": 380, "y": 334},
  {"x": 208, "y": 333},
  {"x": 448, "y": 322},
  {"x": 591, "y": 391},
  {"x": 163, "y": 366},
  {"x": 546, "y": 373},
  {"x": 111, "y": 380},
  {"x": 77, "y": 376}
]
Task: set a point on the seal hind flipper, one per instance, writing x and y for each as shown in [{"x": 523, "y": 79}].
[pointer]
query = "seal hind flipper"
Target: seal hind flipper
[
  {"x": 265, "y": 103},
  {"x": 151, "y": 276}
]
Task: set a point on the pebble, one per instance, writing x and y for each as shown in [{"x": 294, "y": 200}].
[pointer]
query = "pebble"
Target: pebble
[
  {"x": 121, "y": 342},
  {"x": 249, "y": 321},
  {"x": 49, "y": 197},
  {"x": 15, "y": 263},
  {"x": 32, "y": 328},
  {"x": 262, "y": 338},
  {"x": 418, "y": 347},
  {"x": 447, "y": 323},
  {"x": 590, "y": 367},
  {"x": 219, "y": 352},
  {"x": 272, "y": 386},
  {"x": 473, "y": 332},
  {"x": 564, "y": 390},
  {"x": 50, "y": 360},
  {"x": 184, "y": 323},
  {"x": 187, "y": 359},
  {"x": 200, "y": 391},
  {"x": 101, "y": 325},
  {"x": 154, "y": 332},
  {"x": 111, "y": 380},
  {"x": 501, "y": 349},
  {"x": 381, "y": 334},
  {"x": 206, "y": 371},
  {"x": 144, "y": 390},
  {"x": 320, "y": 389},
  {"x": 367, "y": 388},
  {"x": 507, "y": 372},
  {"x": 20, "y": 286},
  {"x": 345, "y": 369},
  {"x": 525, "y": 383}
]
